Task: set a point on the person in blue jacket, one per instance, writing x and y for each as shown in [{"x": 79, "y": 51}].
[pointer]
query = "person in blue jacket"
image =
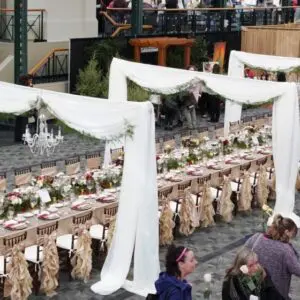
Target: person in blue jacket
[{"x": 172, "y": 284}]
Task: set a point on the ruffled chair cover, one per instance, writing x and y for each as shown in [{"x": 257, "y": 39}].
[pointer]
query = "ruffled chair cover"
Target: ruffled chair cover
[
  {"x": 19, "y": 276},
  {"x": 207, "y": 211},
  {"x": 272, "y": 186},
  {"x": 50, "y": 265},
  {"x": 195, "y": 189},
  {"x": 174, "y": 193},
  {"x": 262, "y": 191},
  {"x": 166, "y": 225},
  {"x": 226, "y": 205},
  {"x": 188, "y": 215},
  {"x": 82, "y": 260},
  {"x": 245, "y": 196},
  {"x": 111, "y": 229}
]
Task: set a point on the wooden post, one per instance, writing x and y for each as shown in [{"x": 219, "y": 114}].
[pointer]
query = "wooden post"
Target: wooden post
[
  {"x": 187, "y": 56},
  {"x": 137, "y": 53},
  {"x": 162, "y": 56}
]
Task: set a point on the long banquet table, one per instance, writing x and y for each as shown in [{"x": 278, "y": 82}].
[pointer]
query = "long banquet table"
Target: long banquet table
[{"x": 66, "y": 213}]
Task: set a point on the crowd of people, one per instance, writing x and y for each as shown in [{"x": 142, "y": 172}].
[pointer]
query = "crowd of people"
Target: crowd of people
[
  {"x": 180, "y": 110},
  {"x": 262, "y": 268}
]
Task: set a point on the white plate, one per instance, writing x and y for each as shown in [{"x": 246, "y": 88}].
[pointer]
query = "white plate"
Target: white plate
[
  {"x": 52, "y": 209},
  {"x": 28, "y": 215}
]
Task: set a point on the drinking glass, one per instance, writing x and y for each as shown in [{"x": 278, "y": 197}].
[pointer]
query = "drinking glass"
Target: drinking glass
[
  {"x": 33, "y": 202},
  {"x": 89, "y": 185},
  {"x": 10, "y": 213}
]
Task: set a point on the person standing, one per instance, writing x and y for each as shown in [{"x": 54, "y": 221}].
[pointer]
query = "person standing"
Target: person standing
[
  {"x": 172, "y": 284},
  {"x": 276, "y": 254},
  {"x": 190, "y": 101},
  {"x": 246, "y": 278}
]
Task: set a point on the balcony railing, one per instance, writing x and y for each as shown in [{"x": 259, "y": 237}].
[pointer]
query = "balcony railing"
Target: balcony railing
[
  {"x": 35, "y": 24},
  {"x": 192, "y": 21},
  {"x": 51, "y": 68}
]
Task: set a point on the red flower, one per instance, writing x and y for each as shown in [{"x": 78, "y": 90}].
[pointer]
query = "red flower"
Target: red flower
[
  {"x": 89, "y": 176},
  {"x": 157, "y": 157},
  {"x": 226, "y": 142}
]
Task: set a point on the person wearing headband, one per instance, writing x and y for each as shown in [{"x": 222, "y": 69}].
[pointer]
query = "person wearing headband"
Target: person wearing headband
[{"x": 172, "y": 284}]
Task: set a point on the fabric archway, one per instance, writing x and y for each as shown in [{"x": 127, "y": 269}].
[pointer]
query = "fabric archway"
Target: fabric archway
[
  {"x": 137, "y": 220},
  {"x": 238, "y": 60}
]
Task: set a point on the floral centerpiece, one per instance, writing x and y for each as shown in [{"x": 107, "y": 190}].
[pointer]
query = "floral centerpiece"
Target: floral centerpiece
[
  {"x": 15, "y": 202},
  {"x": 52, "y": 184},
  {"x": 225, "y": 146},
  {"x": 42, "y": 181},
  {"x": 190, "y": 143},
  {"x": 82, "y": 185},
  {"x": 192, "y": 158},
  {"x": 109, "y": 177}
]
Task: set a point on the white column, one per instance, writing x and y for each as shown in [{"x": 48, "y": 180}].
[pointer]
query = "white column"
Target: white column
[{"x": 68, "y": 18}]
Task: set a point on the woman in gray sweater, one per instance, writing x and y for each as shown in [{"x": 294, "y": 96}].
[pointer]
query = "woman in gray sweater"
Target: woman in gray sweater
[{"x": 276, "y": 254}]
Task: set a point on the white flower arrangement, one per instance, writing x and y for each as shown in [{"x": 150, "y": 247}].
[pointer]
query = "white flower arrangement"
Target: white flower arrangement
[
  {"x": 244, "y": 269},
  {"x": 207, "y": 277},
  {"x": 15, "y": 200}
]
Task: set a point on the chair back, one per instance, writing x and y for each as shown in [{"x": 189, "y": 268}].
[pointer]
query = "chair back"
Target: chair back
[
  {"x": 23, "y": 176},
  {"x": 48, "y": 229},
  {"x": 164, "y": 194},
  {"x": 72, "y": 166},
  {"x": 41, "y": 232},
  {"x": 110, "y": 212},
  {"x": 182, "y": 187},
  {"x": 9, "y": 243},
  {"x": 219, "y": 129},
  {"x": 116, "y": 153},
  {"x": 261, "y": 161},
  {"x": 203, "y": 179},
  {"x": 81, "y": 220},
  {"x": 93, "y": 161},
  {"x": 49, "y": 168},
  {"x": 245, "y": 167},
  {"x": 222, "y": 174},
  {"x": 234, "y": 126}
]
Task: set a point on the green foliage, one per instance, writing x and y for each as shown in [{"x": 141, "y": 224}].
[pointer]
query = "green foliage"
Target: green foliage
[
  {"x": 175, "y": 57},
  {"x": 172, "y": 164},
  {"x": 91, "y": 81},
  {"x": 136, "y": 93},
  {"x": 199, "y": 53},
  {"x": 106, "y": 50}
]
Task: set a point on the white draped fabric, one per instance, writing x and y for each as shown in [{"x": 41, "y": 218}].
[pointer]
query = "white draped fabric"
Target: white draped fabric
[
  {"x": 238, "y": 60},
  {"x": 137, "y": 221},
  {"x": 162, "y": 80}
]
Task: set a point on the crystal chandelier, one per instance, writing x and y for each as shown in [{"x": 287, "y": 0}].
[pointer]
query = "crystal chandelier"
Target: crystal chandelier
[{"x": 42, "y": 141}]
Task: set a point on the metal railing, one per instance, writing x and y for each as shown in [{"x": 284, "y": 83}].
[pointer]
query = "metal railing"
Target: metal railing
[
  {"x": 52, "y": 67},
  {"x": 193, "y": 21},
  {"x": 35, "y": 24}
]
